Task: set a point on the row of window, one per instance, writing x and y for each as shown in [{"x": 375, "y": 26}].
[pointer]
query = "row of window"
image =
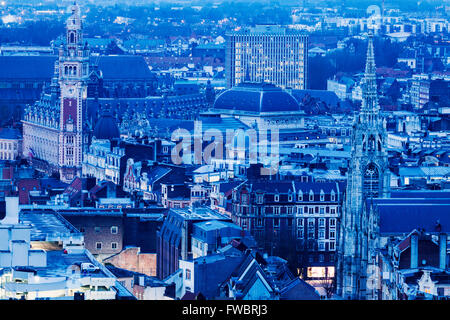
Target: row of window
[
  {"x": 260, "y": 197},
  {"x": 8, "y": 146},
  {"x": 300, "y": 224},
  {"x": 113, "y": 229},
  {"x": 99, "y": 245},
  {"x": 276, "y": 210},
  {"x": 312, "y": 221},
  {"x": 311, "y": 234},
  {"x": 321, "y": 245}
]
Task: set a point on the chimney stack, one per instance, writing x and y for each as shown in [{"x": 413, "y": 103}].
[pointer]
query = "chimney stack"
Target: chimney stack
[
  {"x": 414, "y": 250},
  {"x": 443, "y": 251}
]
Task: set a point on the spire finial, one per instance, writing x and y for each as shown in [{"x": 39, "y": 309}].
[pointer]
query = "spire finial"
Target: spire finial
[
  {"x": 370, "y": 59},
  {"x": 370, "y": 99}
]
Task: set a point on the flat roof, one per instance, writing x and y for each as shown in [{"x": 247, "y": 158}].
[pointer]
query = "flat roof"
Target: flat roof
[
  {"x": 45, "y": 223},
  {"x": 58, "y": 264}
]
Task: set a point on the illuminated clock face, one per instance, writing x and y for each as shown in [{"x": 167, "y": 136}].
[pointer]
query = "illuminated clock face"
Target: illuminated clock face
[{"x": 69, "y": 91}]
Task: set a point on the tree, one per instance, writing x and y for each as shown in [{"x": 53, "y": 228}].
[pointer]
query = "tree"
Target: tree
[{"x": 320, "y": 70}]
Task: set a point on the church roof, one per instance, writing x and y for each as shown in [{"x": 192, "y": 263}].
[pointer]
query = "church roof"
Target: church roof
[
  {"x": 113, "y": 67},
  {"x": 256, "y": 98},
  {"x": 401, "y": 216},
  {"x": 117, "y": 67},
  {"x": 27, "y": 67}
]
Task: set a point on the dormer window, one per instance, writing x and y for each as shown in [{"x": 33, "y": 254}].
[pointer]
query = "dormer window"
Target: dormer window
[
  {"x": 333, "y": 196},
  {"x": 260, "y": 198},
  {"x": 322, "y": 195},
  {"x": 277, "y": 198},
  {"x": 311, "y": 195},
  {"x": 290, "y": 198},
  {"x": 300, "y": 196}
]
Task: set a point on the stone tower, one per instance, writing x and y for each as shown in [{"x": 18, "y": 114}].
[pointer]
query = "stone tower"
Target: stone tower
[
  {"x": 368, "y": 178},
  {"x": 73, "y": 69}
]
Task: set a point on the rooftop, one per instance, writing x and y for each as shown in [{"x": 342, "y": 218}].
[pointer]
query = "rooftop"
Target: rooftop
[
  {"x": 46, "y": 224},
  {"x": 256, "y": 98}
]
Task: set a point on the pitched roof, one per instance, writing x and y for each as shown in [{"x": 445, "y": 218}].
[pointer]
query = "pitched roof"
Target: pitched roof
[
  {"x": 121, "y": 67},
  {"x": 10, "y": 133},
  {"x": 27, "y": 67},
  {"x": 401, "y": 216},
  {"x": 298, "y": 289},
  {"x": 113, "y": 67}
]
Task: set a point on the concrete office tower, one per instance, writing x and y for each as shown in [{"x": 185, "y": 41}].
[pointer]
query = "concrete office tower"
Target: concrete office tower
[{"x": 267, "y": 53}]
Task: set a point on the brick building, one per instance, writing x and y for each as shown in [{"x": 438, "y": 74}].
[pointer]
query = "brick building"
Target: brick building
[
  {"x": 294, "y": 220},
  {"x": 103, "y": 231}
]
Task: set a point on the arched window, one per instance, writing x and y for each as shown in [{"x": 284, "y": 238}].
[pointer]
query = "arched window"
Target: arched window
[
  {"x": 72, "y": 38},
  {"x": 371, "y": 182}
]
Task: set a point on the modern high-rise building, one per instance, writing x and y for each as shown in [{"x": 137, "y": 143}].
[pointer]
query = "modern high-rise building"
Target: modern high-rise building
[{"x": 267, "y": 53}]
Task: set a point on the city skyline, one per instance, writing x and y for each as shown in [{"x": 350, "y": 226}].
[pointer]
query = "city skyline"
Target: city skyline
[{"x": 294, "y": 151}]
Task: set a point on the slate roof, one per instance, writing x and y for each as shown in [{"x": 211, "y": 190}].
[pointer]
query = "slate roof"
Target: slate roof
[
  {"x": 298, "y": 289},
  {"x": 113, "y": 67},
  {"x": 123, "y": 67},
  {"x": 27, "y": 67},
  {"x": 106, "y": 127},
  {"x": 10, "y": 133},
  {"x": 256, "y": 98},
  {"x": 425, "y": 194},
  {"x": 401, "y": 216},
  {"x": 286, "y": 186},
  {"x": 227, "y": 187},
  {"x": 248, "y": 273},
  {"x": 214, "y": 269}
]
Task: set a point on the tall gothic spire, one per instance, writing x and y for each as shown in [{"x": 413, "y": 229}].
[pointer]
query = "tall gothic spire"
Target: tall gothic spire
[
  {"x": 370, "y": 98},
  {"x": 368, "y": 178}
]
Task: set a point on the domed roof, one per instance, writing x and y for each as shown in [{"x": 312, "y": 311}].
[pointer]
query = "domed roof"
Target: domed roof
[
  {"x": 106, "y": 127},
  {"x": 256, "y": 98}
]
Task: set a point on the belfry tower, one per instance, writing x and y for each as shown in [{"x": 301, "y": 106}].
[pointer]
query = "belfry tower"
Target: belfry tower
[
  {"x": 368, "y": 178},
  {"x": 73, "y": 69}
]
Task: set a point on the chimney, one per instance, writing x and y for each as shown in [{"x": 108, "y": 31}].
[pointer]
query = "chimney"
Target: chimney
[
  {"x": 443, "y": 251},
  {"x": 414, "y": 250}
]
